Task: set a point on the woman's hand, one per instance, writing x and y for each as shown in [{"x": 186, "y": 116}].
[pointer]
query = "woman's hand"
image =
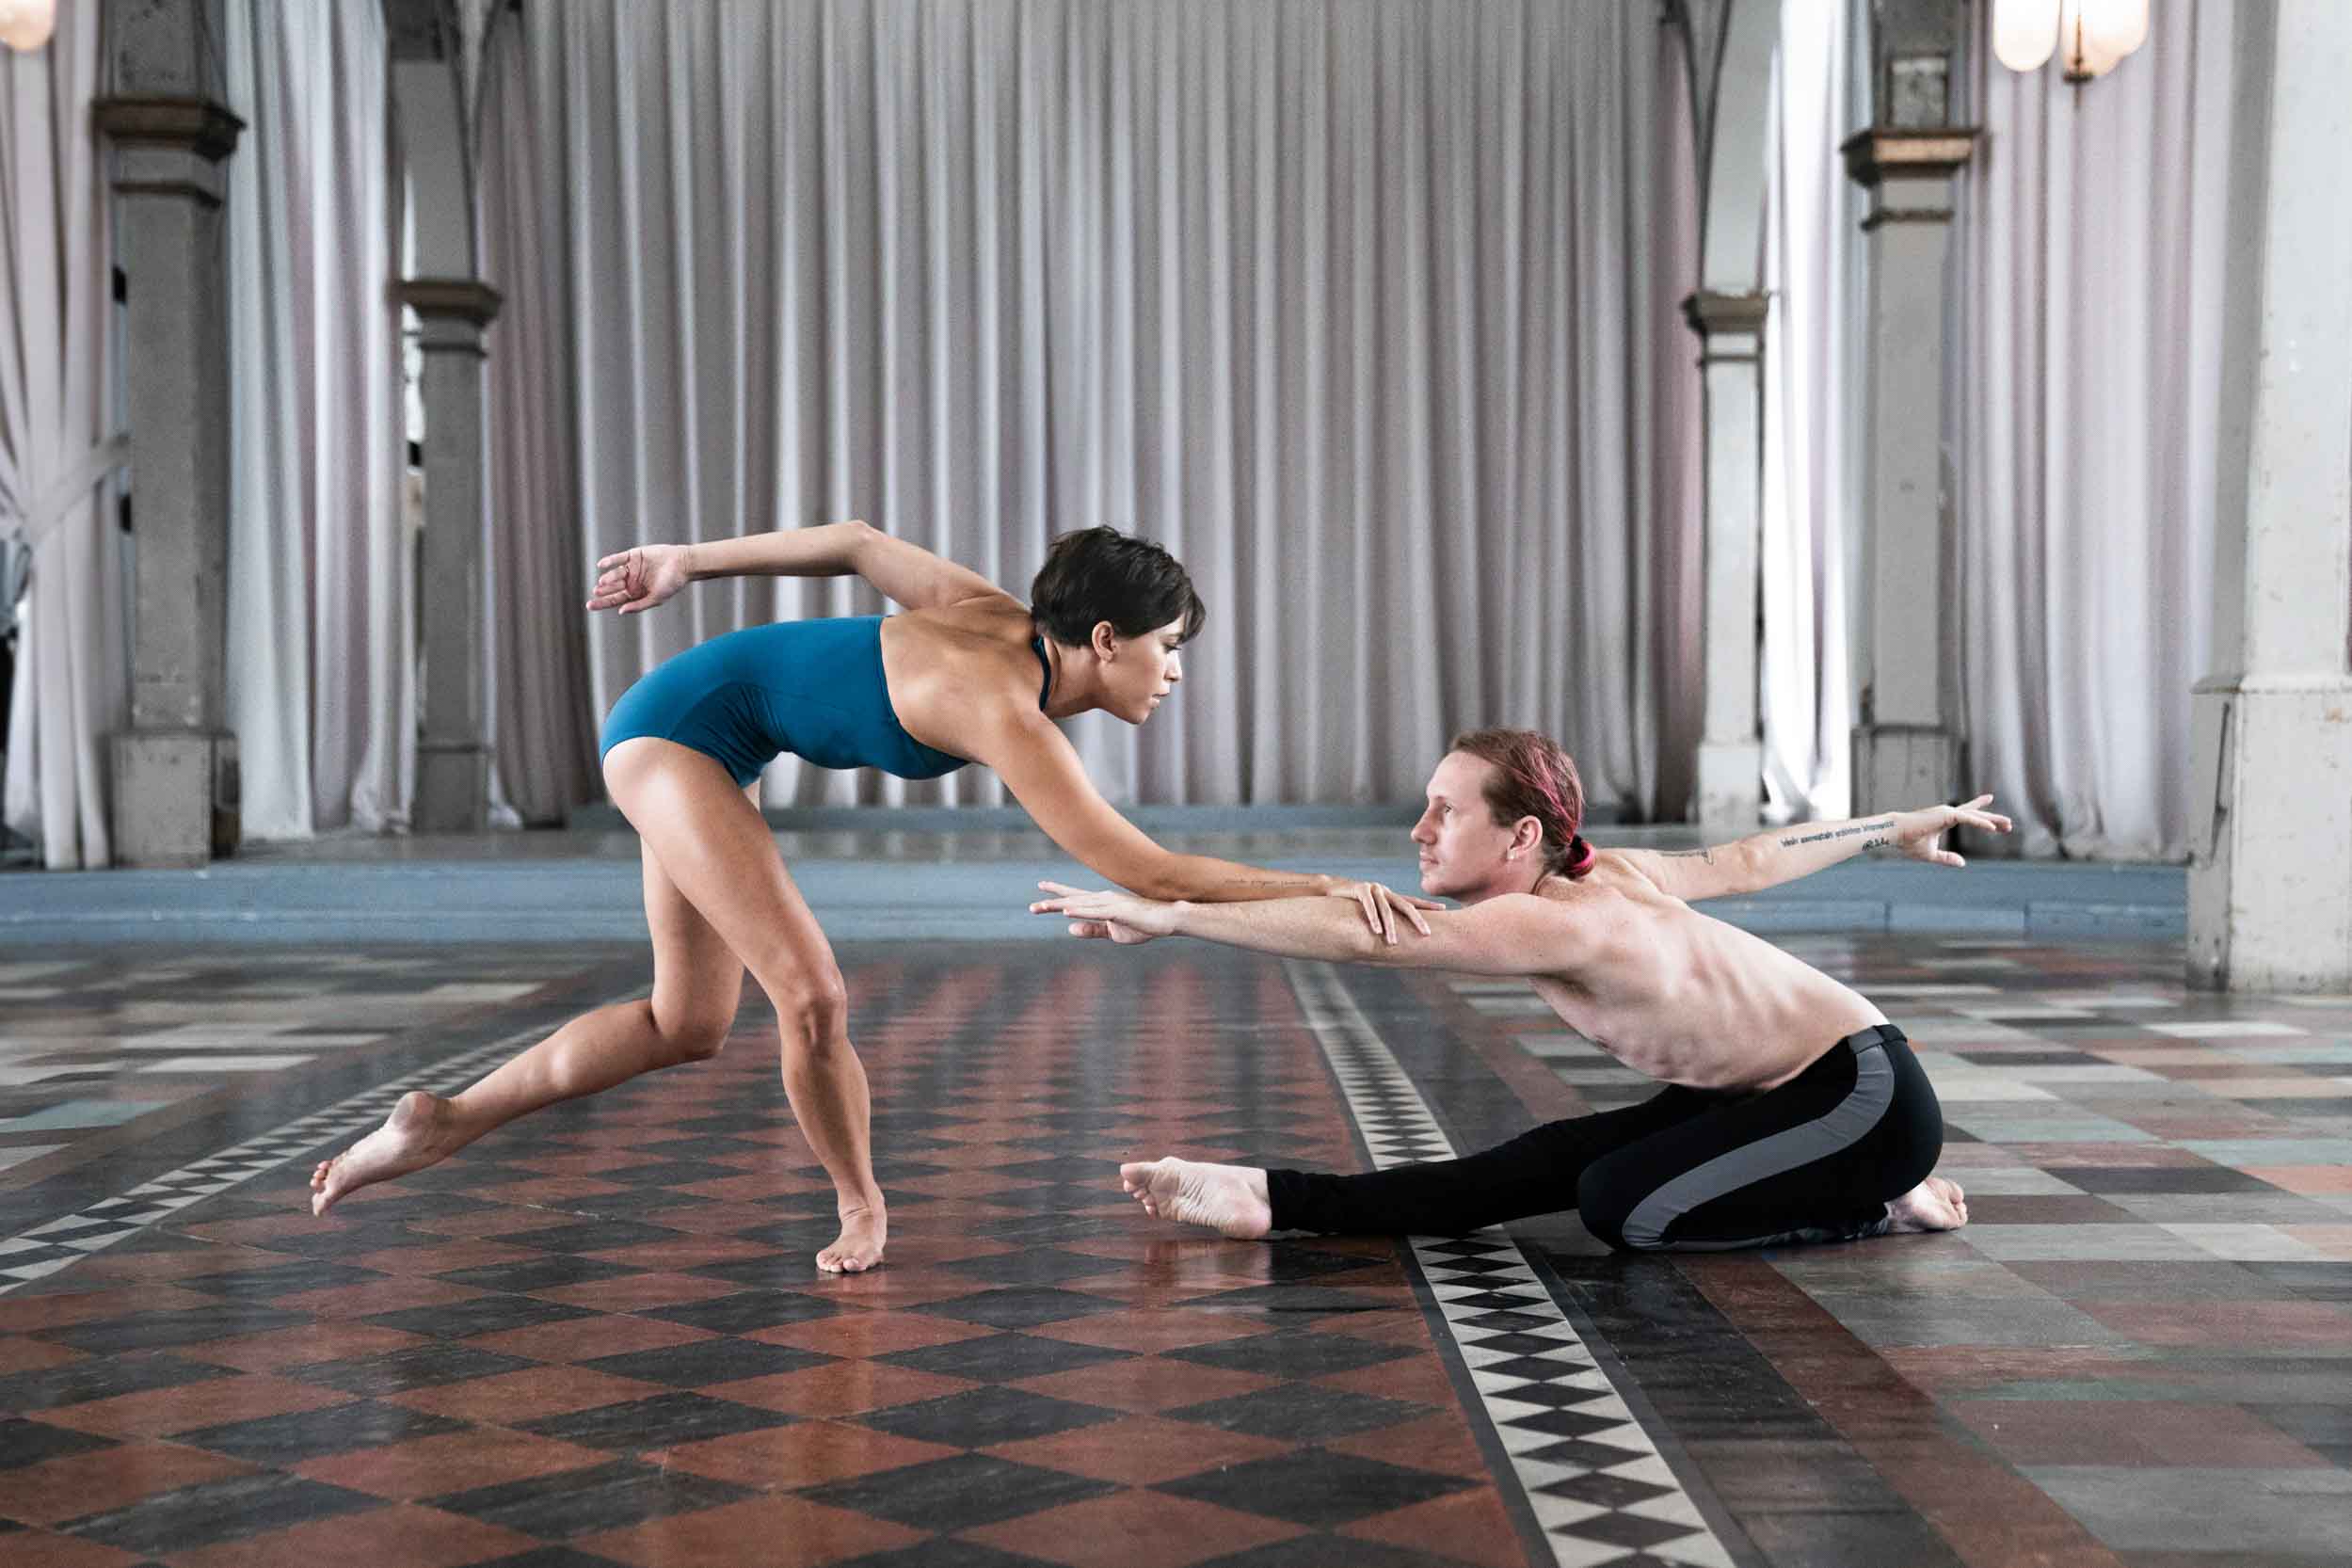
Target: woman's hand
[
  {"x": 1121, "y": 916},
  {"x": 637, "y": 580},
  {"x": 1382, "y": 905},
  {"x": 1919, "y": 834}
]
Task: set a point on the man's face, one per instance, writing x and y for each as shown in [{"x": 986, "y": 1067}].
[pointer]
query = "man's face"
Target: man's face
[{"x": 1462, "y": 847}]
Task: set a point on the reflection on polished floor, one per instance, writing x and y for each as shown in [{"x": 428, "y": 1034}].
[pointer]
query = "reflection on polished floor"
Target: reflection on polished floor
[{"x": 597, "y": 1336}]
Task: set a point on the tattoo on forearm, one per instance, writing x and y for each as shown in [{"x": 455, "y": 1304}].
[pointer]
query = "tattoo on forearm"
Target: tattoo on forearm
[
  {"x": 1883, "y": 832},
  {"x": 1706, "y": 855}
]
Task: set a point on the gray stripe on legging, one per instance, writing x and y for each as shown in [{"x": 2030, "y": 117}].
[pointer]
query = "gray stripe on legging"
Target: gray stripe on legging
[{"x": 1848, "y": 1121}]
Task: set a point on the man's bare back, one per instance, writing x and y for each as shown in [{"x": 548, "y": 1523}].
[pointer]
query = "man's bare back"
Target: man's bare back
[{"x": 1686, "y": 998}]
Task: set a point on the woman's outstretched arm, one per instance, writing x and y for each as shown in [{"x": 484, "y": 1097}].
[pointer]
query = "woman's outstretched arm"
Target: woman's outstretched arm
[
  {"x": 1042, "y": 769},
  {"x": 638, "y": 579}
]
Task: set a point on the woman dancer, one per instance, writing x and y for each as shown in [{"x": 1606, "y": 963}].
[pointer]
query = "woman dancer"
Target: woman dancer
[{"x": 969, "y": 674}]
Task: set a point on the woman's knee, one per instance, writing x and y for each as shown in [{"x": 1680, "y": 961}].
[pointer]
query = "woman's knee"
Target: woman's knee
[
  {"x": 812, "y": 1003},
  {"x": 696, "y": 1035}
]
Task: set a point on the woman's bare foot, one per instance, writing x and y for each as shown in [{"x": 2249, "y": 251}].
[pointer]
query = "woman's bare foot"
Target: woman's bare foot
[
  {"x": 859, "y": 1246},
  {"x": 1230, "y": 1199},
  {"x": 1935, "y": 1204},
  {"x": 415, "y": 1135}
]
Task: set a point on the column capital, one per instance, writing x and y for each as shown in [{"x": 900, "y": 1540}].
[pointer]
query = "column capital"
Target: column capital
[
  {"x": 1887, "y": 151},
  {"x": 467, "y": 300},
  {"x": 1711, "y": 310},
  {"x": 198, "y": 125},
  {"x": 1730, "y": 325},
  {"x": 166, "y": 146}
]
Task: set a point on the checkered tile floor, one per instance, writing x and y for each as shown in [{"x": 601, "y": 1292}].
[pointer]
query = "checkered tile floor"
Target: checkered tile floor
[
  {"x": 1589, "y": 1473},
  {"x": 2138, "y": 1351},
  {"x": 597, "y": 1336}
]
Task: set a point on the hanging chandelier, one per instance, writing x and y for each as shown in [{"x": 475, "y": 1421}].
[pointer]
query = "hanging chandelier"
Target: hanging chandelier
[{"x": 2089, "y": 36}]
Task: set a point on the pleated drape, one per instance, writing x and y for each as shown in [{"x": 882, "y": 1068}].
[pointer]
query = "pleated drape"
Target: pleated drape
[
  {"x": 321, "y": 687},
  {"x": 2087, "y": 315},
  {"x": 1363, "y": 309}
]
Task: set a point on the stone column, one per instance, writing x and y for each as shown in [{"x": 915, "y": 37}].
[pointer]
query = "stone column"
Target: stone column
[
  {"x": 175, "y": 770},
  {"x": 1730, "y": 752},
  {"x": 453, "y": 752},
  {"x": 1907, "y": 743},
  {"x": 1730, "y": 50},
  {"x": 2270, "y": 874}
]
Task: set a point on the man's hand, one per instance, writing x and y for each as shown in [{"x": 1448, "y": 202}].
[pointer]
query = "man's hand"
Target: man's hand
[
  {"x": 1381, "y": 905},
  {"x": 1121, "y": 916},
  {"x": 1919, "y": 834},
  {"x": 637, "y": 580}
]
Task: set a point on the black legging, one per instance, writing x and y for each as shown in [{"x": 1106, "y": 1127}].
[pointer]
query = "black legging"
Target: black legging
[{"x": 1816, "y": 1160}]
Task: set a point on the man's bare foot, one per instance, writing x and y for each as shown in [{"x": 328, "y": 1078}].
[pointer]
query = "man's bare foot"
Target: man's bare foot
[
  {"x": 415, "y": 1135},
  {"x": 859, "y": 1246},
  {"x": 1230, "y": 1199},
  {"x": 1935, "y": 1204}
]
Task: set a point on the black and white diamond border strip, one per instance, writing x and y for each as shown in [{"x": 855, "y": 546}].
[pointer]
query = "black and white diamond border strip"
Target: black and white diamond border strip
[
  {"x": 1593, "y": 1477},
  {"x": 47, "y": 1249}
]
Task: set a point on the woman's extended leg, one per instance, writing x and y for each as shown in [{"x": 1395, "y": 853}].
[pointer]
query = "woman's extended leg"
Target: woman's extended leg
[
  {"x": 719, "y": 853},
  {"x": 696, "y": 982}
]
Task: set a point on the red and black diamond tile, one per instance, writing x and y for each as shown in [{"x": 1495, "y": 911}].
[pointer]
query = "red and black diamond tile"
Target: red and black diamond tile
[{"x": 598, "y": 1334}]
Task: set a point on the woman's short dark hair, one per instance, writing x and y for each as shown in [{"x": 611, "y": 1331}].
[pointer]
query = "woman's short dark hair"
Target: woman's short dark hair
[{"x": 1098, "y": 574}]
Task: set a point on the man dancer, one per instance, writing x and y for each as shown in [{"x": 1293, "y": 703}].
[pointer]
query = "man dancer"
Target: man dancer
[{"x": 1792, "y": 1112}]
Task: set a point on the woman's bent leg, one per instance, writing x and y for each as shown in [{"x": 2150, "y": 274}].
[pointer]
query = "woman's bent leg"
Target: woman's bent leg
[
  {"x": 696, "y": 984},
  {"x": 715, "y": 847}
]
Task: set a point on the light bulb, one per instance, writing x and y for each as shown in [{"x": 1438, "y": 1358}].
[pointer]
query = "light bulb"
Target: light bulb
[
  {"x": 2095, "y": 35},
  {"x": 2024, "y": 33},
  {"x": 26, "y": 23}
]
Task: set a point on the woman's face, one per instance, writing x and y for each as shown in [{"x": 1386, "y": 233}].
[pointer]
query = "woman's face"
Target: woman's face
[{"x": 1143, "y": 669}]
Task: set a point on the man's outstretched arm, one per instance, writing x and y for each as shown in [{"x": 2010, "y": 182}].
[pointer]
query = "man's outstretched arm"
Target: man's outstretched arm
[
  {"x": 1784, "y": 853},
  {"x": 1510, "y": 936}
]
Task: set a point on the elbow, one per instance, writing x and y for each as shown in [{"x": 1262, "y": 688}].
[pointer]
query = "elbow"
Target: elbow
[
  {"x": 1165, "y": 887},
  {"x": 1162, "y": 883}
]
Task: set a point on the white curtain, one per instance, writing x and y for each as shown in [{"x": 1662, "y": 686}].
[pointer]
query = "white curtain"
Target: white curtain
[
  {"x": 321, "y": 572},
  {"x": 541, "y": 710},
  {"x": 1810, "y": 266},
  {"x": 1355, "y": 306},
  {"x": 70, "y": 689},
  {"x": 2088, "y": 322}
]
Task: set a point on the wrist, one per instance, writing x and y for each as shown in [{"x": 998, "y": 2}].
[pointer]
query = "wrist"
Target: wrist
[
  {"x": 691, "y": 557},
  {"x": 1180, "y": 914}
]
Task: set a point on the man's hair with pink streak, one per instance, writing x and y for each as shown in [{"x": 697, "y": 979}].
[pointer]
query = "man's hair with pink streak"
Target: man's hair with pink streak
[{"x": 1534, "y": 777}]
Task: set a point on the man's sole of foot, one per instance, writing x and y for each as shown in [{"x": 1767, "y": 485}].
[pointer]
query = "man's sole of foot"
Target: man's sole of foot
[
  {"x": 1935, "y": 1204},
  {"x": 1225, "y": 1198}
]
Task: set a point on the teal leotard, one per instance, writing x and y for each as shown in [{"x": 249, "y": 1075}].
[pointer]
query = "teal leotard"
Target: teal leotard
[{"x": 814, "y": 688}]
